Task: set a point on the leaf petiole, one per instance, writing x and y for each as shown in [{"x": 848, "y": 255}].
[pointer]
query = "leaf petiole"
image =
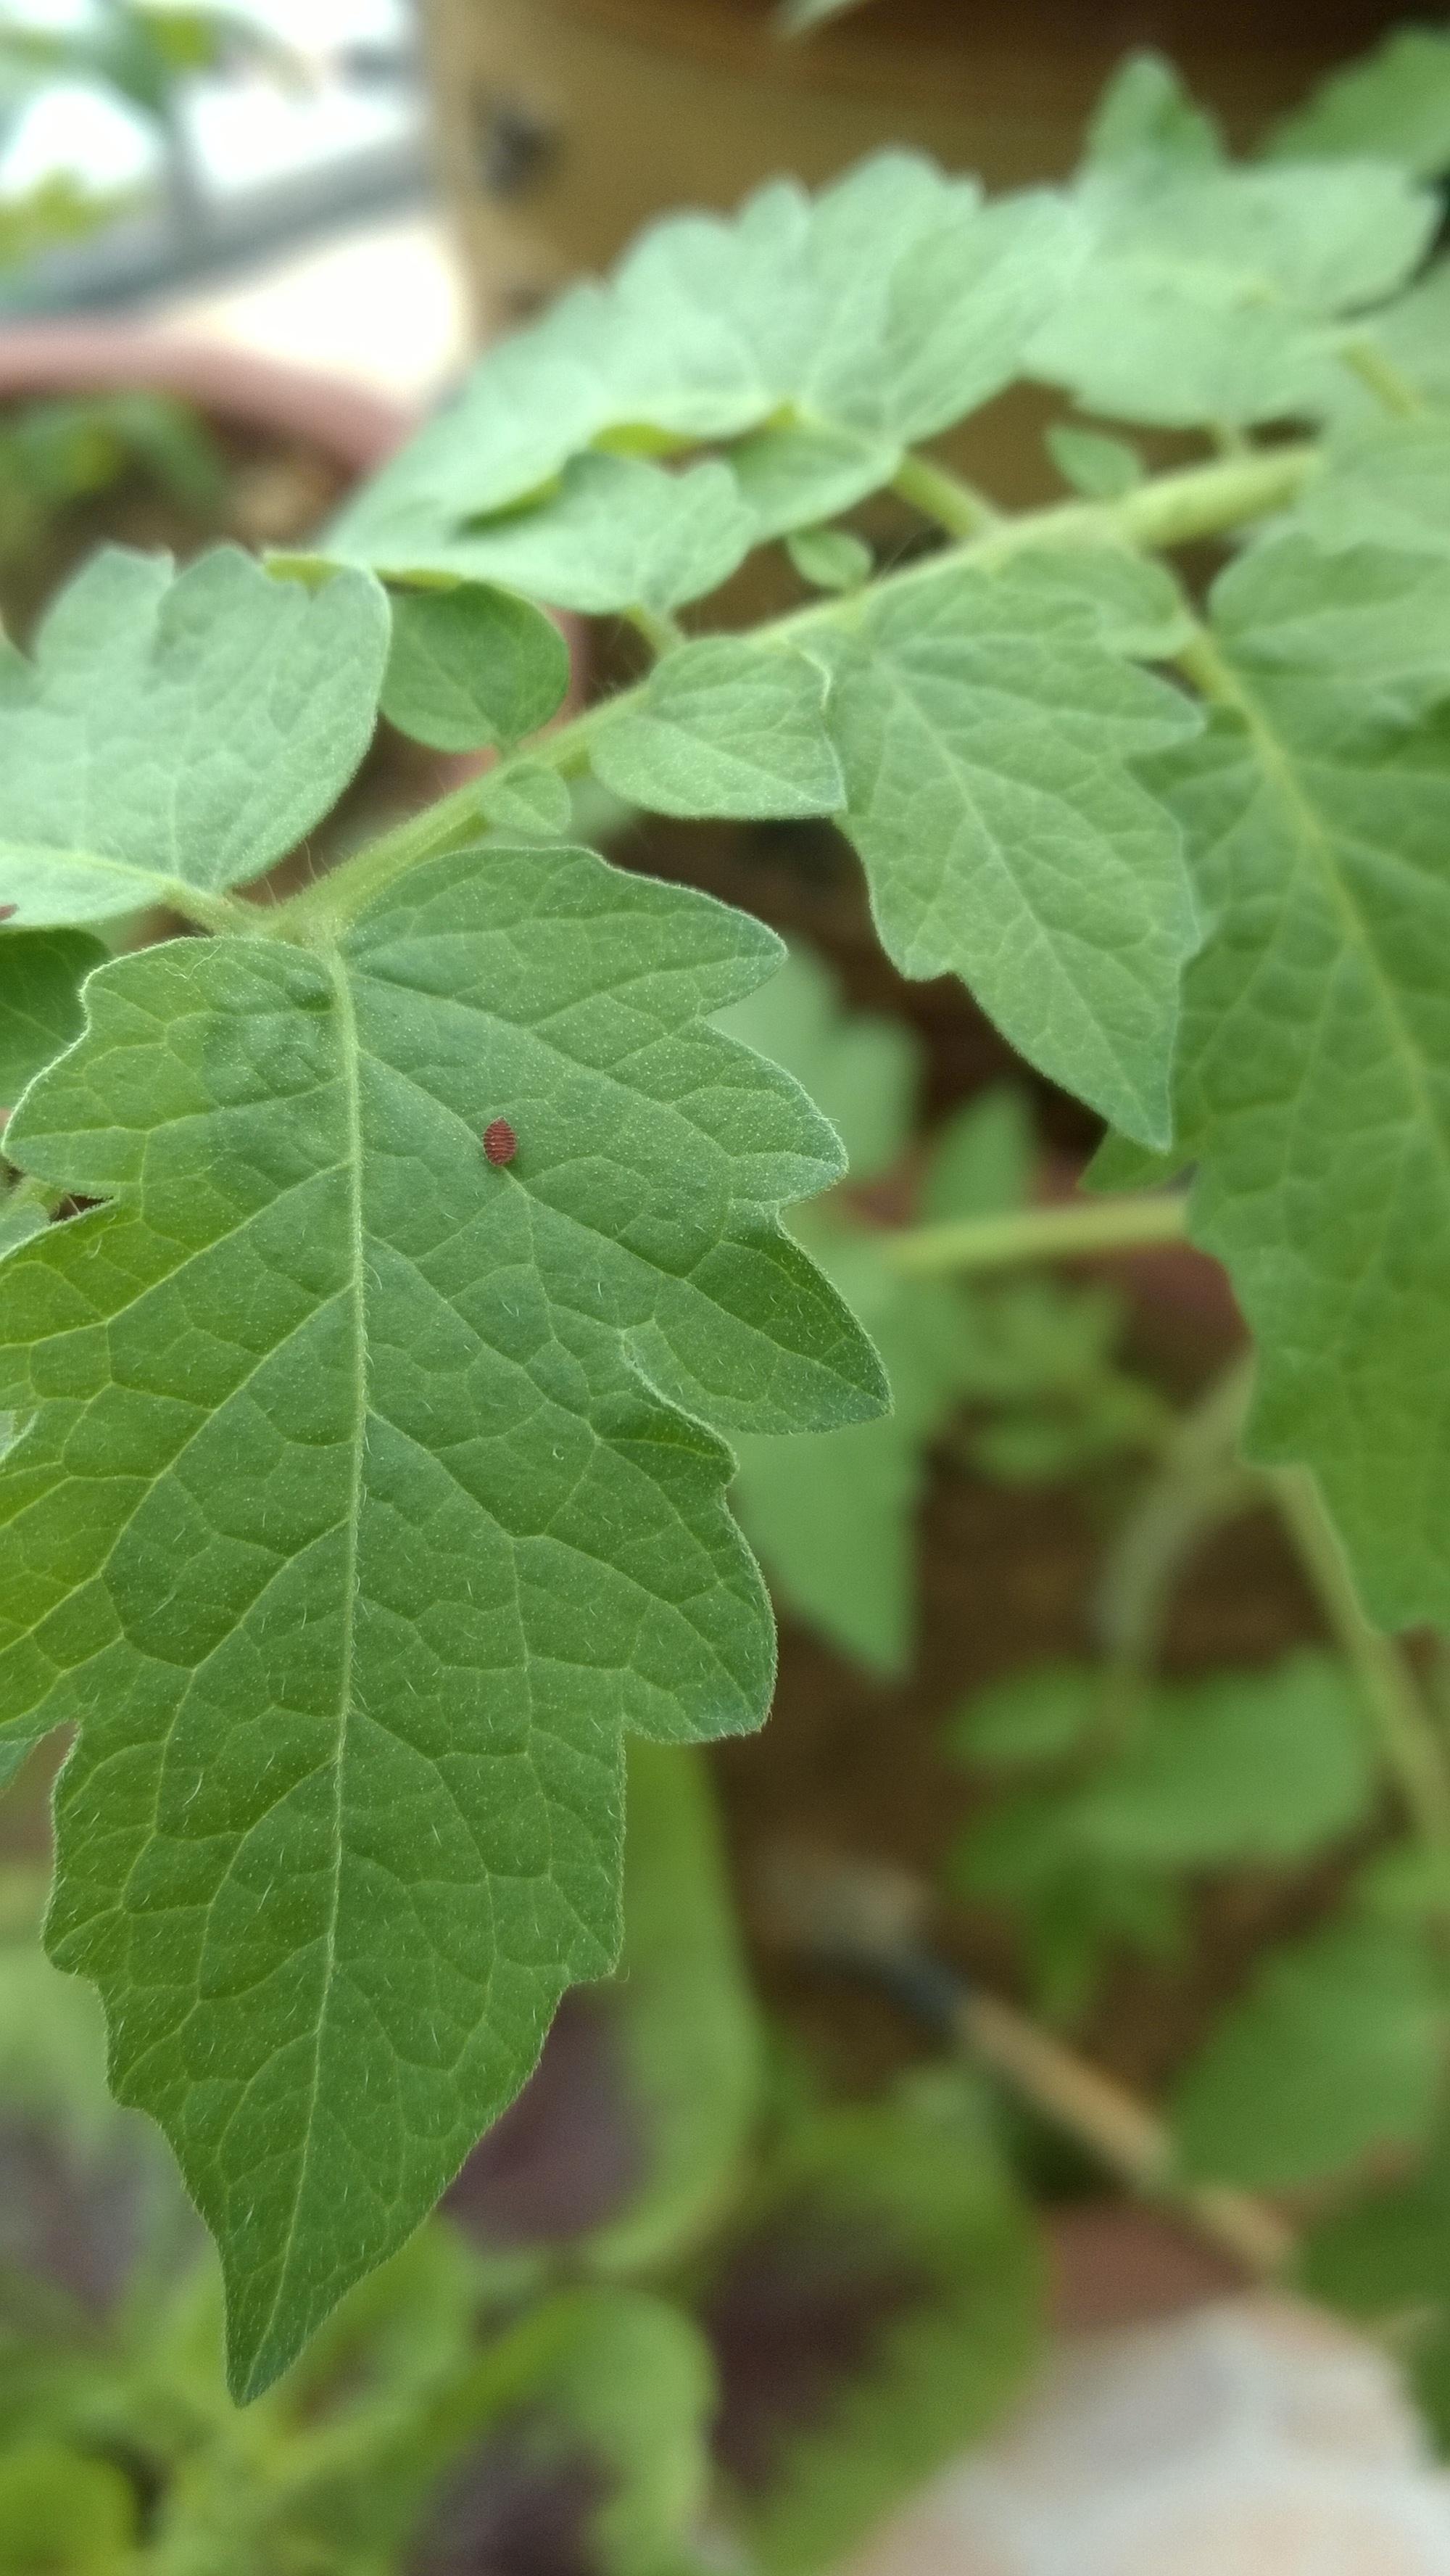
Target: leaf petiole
[{"x": 976, "y": 1244}]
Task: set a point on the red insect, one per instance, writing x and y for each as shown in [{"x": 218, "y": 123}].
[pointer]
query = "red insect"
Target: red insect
[{"x": 500, "y": 1143}]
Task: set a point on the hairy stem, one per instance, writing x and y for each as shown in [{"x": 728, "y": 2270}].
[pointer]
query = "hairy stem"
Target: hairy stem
[
  {"x": 974, "y": 1244},
  {"x": 955, "y": 505},
  {"x": 1414, "y": 1755},
  {"x": 662, "y": 633},
  {"x": 1172, "y": 510}
]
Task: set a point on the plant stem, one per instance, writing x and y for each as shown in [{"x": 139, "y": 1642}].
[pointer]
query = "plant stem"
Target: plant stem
[
  {"x": 973, "y": 1244},
  {"x": 955, "y": 505},
  {"x": 1201, "y": 1484},
  {"x": 662, "y": 633},
  {"x": 1414, "y": 1755},
  {"x": 1385, "y": 381},
  {"x": 1200, "y": 501}
]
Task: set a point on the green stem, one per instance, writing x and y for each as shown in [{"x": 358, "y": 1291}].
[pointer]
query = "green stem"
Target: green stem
[
  {"x": 662, "y": 633},
  {"x": 955, "y": 505},
  {"x": 1200, "y": 1484},
  {"x": 1200, "y": 501},
  {"x": 1385, "y": 381},
  {"x": 1414, "y": 1755},
  {"x": 973, "y": 1244}
]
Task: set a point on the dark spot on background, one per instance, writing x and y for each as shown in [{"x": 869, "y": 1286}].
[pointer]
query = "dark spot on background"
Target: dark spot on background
[{"x": 569, "y": 2153}]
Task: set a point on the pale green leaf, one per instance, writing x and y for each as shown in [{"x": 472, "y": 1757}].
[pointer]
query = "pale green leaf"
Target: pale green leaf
[
  {"x": 22, "y": 1214},
  {"x": 420, "y": 1445},
  {"x": 179, "y": 730},
  {"x": 1135, "y": 606},
  {"x": 526, "y": 796},
  {"x": 832, "y": 1515},
  {"x": 861, "y": 1069},
  {"x": 986, "y": 736},
  {"x": 684, "y": 2014},
  {"x": 798, "y": 17},
  {"x": 1249, "y": 1766},
  {"x": 1146, "y": 109},
  {"x": 41, "y": 974},
  {"x": 1033, "y": 1717},
  {"x": 830, "y": 558},
  {"x": 1102, "y": 469},
  {"x": 471, "y": 667},
  {"x": 1208, "y": 293},
  {"x": 795, "y": 472},
  {"x": 1313, "y": 1083},
  {"x": 724, "y": 728},
  {"x": 879, "y": 311},
  {"x": 983, "y": 1161},
  {"x": 618, "y": 533},
  {"x": 896, "y": 2239},
  {"x": 1335, "y": 2051},
  {"x": 1388, "y": 485},
  {"x": 1394, "y": 105}
]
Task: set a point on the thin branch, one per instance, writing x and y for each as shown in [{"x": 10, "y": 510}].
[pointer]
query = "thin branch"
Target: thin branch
[{"x": 970, "y": 1245}]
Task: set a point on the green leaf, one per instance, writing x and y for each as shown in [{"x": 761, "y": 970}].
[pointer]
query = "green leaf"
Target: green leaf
[
  {"x": 420, "y": 1443},
  {"x": 723, "y": 728},
  {"x": 1393, "y": 105},
  {"x": 472, "y": 667},
  {"x": 983, "y": 1161},
  {"x": 830, "y": 558},
  {"x": 1209, "y": 290},
  {"x": 833, "y": 1515},
  {"x": 891, "y": 2236},
  {"x": 527, "y": 797},
  {"x": 880, "y": 311},
  {"x": 1039, "y": 1716},
  {"x": 795, "y": 472},
  {"x": 685, "y": 2013},
  {"x": 1385, "y": 2261},
  {"x": 1102, "y": 469},
  {"x": 1413, "y": 333},
  {"x": 41, "y": 974},
  {"x": 63, "y": 2514},
  {"x": 861, "y": 1069},
  {"x": 1250, "y": 1766},
  {"x": 1146, "y": 110},
  {"x": 1387, "y": 486},
  {"x": 1313, "y": 1086},
  {"x": 986, "y": 736},
  {"x": 179, "y": 731},
  {"x": 618, "y": 533},
  {"x": 1335, "y": 2051}
]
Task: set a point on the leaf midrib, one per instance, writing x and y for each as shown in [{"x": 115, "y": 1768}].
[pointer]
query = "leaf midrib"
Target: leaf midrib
[{"x": 350, "y": 1068}]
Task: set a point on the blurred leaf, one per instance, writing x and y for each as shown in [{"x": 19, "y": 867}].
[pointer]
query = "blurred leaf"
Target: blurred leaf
[
  {"x": 1336, "y": 2049},
  {"x": 1385, "y": 2261},
  {"x": 1253, "y": 1766},
  {"x": 1393, "y": 105},
  {"x": 1032, "y": 1717},
  {"x": 831, "y": 558},
  {"x": 860, "y": 1068},
  {"x": 798, "y": 17},
  {"x": 472, "y": 667},
  {"x": 1388, "y": 485},
  {"x": 1102, "y": 469},
  {"x": 596, "y": 2406},
  {"x": 983, "y": 1160},
  {"x": 833, "y": 1514},
  {"x": 62, "y": 2514},
  {"x": 876, "y": 2311},
  {"x": 1146, "y": 109},
  {"x": 793, "y": 473}
]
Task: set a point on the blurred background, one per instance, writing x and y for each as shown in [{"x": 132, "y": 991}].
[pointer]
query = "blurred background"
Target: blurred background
[{"x": 242, "y": 250}]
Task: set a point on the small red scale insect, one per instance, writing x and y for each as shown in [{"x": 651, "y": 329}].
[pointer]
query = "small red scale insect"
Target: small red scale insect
[{"x": 500, "y": 1143}]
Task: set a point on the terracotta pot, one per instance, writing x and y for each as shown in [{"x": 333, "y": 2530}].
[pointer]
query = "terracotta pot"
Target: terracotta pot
[{"x": 566, "y": 124}]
